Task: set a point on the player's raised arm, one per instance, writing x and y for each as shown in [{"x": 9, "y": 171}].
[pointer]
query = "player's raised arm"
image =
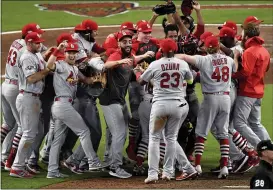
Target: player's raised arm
[
  {"x": 146, "y": 55},
  {"x": 188, "y": 58},
  {"x": 52, "y": 59}
]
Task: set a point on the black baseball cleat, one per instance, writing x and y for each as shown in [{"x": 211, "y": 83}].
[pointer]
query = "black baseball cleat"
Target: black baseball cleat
[{"x": 237, "y": 165}]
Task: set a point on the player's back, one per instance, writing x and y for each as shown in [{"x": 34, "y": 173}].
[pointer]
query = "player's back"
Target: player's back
[
  {"x": 169, "y": 75},
  {"x": 215, "y": 72},
  {"x": 16, "y": 50}
]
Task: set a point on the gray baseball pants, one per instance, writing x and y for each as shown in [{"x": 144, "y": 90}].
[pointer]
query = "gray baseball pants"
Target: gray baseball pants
[
  {"x": 7, "y": 144},
  {"x": 166, "y": 116},
  {"x": 88, "y": 110},
  {"x": 66, "y": 116},
  {"x": 28, "y": 107},
  {"x": 117, "y": 117},
  {"x": 234, "y": 152},
  {"x": 247, "y": 119}
]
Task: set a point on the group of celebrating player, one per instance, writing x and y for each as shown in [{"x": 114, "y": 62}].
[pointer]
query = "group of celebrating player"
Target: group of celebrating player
[{"x": 51, "y": 93}]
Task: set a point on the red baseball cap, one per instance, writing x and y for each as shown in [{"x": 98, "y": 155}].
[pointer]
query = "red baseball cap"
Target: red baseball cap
[
  {"x": 78, "y": 27},
  {"x": 211, "y": 42},
  {"x": 123, "y": 34},
  {"x": 72, "y": 47},
  {"x": 144, "y": 27},
  {"x": 128, "y": 26},
  {"x": 31, "y": 27},
  {"x": 168, "y": 45},
  {"x": 252, "y": 19},
  {"x": 88, "y": 25},
  {"x": 65, "y": 37},
  {"x": 227, "y": 32},
  {"x": 205, "y": 35},
  {"x": 33, "y": 37},
  {"x": 140, "y": 22},
  {"x": 229, "y": 24}
]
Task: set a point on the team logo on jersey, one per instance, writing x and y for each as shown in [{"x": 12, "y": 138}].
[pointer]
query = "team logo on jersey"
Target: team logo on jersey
[
  {"x": 30, "y": 67},
  {"x": 95, "y": 9},
  {"x": 71, "y": 79}
]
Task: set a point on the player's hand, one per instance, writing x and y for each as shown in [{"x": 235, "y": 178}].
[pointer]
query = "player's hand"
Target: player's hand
[
  {"x": 138, "y": 69},
  {"x": 149, "y": 54},
  {"x": 62, "y": 46},
  {"x": 47, "y": 53},
  {"x": 196, "y": 6},
  {"x": 126, "y": 61}
]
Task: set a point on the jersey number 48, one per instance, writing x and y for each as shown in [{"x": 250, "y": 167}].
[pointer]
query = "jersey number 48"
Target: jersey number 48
[{"x": 224, "y": 74}]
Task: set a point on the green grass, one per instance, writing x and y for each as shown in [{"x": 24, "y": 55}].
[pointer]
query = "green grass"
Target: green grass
[
  {"x": 209, "y": 160},
  {"x": 26, "y": 12},
  {"x": 151, "y": 3}
]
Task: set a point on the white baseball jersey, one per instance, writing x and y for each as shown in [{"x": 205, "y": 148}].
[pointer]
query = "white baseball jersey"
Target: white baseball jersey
[
  {"x": 169, "y": 75},
  {"x": 215, "y": 72},
  {"x": 147, "y": 91},
  {"x": 17, "y": 48},
  {"x": 65, "y": 79},
  {"x": 85, "y": 47},
  {"x": 237, "y": 47},
  {"x": 96, "y": 63},
  {"x": 29, "y": 64}
]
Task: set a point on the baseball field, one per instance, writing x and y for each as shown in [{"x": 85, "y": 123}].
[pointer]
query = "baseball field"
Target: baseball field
[{"x": 61, "y": 15}]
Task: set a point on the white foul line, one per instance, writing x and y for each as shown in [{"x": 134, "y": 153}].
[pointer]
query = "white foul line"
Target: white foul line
[
  {"x": 113, "y": 26},
  {"x": 236, "y": 187}
]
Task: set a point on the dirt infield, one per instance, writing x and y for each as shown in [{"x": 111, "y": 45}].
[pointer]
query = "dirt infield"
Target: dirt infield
[
  {"x": 50, "y": 37},
  {"x": 108, "y": 182}
]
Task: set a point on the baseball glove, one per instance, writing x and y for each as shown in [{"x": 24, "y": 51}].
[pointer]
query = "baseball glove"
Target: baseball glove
[
  {"x": 144, "y": 65},
  {"x": 100, "y": 78},
  {"x": 186, "y": 7},
  {"x": 163, "y": 9}
]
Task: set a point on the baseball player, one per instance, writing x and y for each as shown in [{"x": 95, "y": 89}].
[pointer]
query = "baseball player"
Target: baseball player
[
  {"x": 188, "y": 45},
  {"x": 111, "y": 41},
  {"x": 239, "y": 161},
  {"x": 186, "y": 23},
  {"x": 47, "y": 99},
  {"x": 32, "y": 27},
  {"x": 31, "y": 75},
  {"x": 10, "y": 86},
  {"x": 85, "y": 102},
  {"x": 168, "y": 109},
  {"x": 255, "y": 63},
  {"x": 215, "y": 77},
  {"x": 142, "y": 44},
  {"x": 112, "y": 99},
  {"x": 66, "y": 77},
  {"x": 187, "y": 170}
]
